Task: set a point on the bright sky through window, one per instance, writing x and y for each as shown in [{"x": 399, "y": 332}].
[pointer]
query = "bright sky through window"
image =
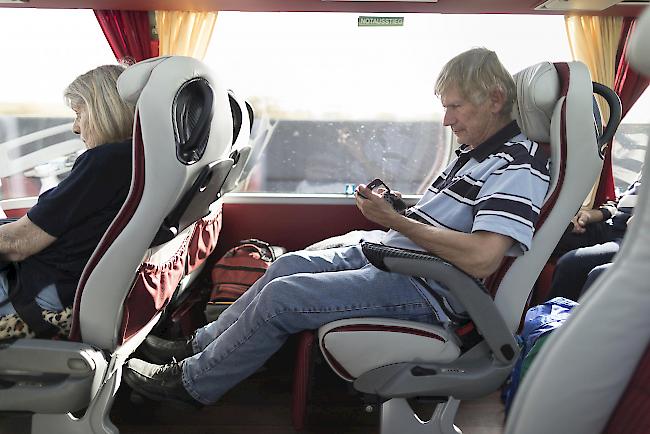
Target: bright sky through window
[{"x": 303, "y": 64}]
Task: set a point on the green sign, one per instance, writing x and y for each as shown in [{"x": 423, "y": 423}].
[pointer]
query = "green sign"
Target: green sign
[{"x": 380, "y": 21}]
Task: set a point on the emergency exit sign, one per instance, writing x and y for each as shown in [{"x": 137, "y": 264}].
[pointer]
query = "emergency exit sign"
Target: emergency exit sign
[{"x": 380, "y": 21}]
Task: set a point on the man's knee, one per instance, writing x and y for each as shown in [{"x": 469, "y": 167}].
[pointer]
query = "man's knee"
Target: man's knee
[{"x": 276, "y": 296}]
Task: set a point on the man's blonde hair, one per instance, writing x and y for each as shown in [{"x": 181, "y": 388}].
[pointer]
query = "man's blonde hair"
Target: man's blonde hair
[
  {"x": 110, "y": 119},
  {"x": 476, "y": 73}
]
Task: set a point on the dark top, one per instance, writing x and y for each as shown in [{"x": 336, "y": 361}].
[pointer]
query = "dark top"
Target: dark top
[{"x": 77, "y": 212}]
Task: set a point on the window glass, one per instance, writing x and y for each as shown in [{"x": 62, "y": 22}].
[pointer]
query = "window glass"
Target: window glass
[
  {"x": 337, "y": 104},
  {"x": 43, "y": 51},
  {"x": 630, "y": 143}
]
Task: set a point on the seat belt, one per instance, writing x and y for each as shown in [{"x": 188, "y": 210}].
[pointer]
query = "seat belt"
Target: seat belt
[{"x": 26, "y": 307}]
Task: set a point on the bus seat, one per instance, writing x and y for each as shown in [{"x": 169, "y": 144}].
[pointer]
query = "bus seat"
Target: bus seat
[
  {"x": 554, "y": 106},
  {"x": 181, "y": 142},
  {"x": 593, "y": 375},
  {"x": 241, "y": 147},
  {"x": 184, "y": 313}
]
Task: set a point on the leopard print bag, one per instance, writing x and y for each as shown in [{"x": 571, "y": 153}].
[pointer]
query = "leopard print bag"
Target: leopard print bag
[{"x": 12, "y": 327}]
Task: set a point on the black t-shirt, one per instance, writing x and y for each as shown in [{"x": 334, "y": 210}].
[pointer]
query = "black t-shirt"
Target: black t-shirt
[{"x": 77, "y": 212}]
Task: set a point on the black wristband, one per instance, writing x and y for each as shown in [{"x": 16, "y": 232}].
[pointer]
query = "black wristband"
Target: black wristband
[{"x": 607, "y": 214}]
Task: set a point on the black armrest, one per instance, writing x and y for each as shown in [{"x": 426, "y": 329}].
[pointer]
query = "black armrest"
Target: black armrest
[{"x": 470, "y": 291}]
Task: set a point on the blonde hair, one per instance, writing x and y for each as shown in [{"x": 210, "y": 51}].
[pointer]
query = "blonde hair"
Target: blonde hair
[
  {"x": 110, "y": 119},
  {"x": 476, "y": 73}
]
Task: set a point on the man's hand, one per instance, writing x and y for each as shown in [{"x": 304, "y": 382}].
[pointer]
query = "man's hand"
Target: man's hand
[
  {"x": 374, "y": 207},
  {"x": 584, "y": 218}
]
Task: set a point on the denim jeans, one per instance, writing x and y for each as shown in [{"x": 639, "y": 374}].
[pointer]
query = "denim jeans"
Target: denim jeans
[
  {"x": 573, "y": 268},
  {"x": 300, "y": 291},
  {"x": 47, "y": 298}
]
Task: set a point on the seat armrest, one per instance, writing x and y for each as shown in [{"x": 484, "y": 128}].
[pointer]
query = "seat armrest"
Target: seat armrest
[
  {"x": 46, "y": 376},
  {"x": 467, "y": 289}
]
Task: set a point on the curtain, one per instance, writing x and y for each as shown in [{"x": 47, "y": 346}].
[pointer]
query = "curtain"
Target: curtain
[
  {"x": 129, "y": 33},
  {"x": 594, "y": 40},
  {"x": 629, "y": 85},
  {"x": 185, "y": 33}
]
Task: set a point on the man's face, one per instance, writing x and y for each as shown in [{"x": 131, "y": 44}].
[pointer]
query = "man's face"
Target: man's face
[{"x": 471, "y": 123}]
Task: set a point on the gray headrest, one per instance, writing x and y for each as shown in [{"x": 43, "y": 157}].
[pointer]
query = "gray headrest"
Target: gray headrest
[
  {"x": 538, "y": 89},
  {"x": 639, "y": 50}
]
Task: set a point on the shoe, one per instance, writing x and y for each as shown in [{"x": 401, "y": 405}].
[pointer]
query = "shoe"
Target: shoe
[
  {"x": 161, "y": 351},
  {"x": 158, "y": 382}
]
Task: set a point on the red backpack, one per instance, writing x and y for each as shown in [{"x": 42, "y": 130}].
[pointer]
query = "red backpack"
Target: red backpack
[{"x": 239, "y": 268}]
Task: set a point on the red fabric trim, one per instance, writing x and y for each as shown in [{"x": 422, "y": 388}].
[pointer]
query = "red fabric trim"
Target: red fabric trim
[
  {"x": 301, "y": 378},
  {"x": 204, "y": 239},
  {"x": 386, "y": 328},
  {"x": 632, "y": 414},
  {"x": 629, "y": 85},
  {"x": 116, "y": 227},
  {"x": 153, "y": 288},
  {"x": 492, "y": 282},
  {"x": 128, "y": 34}
]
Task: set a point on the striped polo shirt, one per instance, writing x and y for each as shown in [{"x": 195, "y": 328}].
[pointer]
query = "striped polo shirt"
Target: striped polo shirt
[{"x": 499, "y": 188}]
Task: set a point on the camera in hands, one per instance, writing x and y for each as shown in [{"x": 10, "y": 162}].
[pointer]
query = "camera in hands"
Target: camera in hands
[{"x": 395, "y": 201}]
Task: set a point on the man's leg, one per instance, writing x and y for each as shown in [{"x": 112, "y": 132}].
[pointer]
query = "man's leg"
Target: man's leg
[
  {"x": 343, "y": 258},
  {"x": 288, "y": 305},
  {"x": 159, "y": 350},
  {"x": 572, "y": 268}
]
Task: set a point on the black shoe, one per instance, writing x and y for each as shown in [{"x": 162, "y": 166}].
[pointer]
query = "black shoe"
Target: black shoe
[
  {"x": 158, "y": 382},
  {"x": 160, "y": 351}
]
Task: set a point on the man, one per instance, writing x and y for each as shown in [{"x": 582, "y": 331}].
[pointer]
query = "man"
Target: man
[
  {"x": 590, "y": 247},
  {"x": 481, "y": 208}
]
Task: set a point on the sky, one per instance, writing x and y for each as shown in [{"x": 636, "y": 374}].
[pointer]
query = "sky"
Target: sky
[{"x": 303, "y": 64}]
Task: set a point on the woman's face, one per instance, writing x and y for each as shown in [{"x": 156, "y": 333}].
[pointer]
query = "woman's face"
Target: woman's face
[{"x": 80, "y": 125}]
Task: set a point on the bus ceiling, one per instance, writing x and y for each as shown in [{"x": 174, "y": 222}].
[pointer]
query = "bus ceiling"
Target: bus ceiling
[{"x": 535, "y": 7}]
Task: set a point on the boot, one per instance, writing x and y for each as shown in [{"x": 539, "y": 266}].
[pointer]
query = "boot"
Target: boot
[
  {"x": 158, "y": 382},
  {"x": 160, "y": 351}
]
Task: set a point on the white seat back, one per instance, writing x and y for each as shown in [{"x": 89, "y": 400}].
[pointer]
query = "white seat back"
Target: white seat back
[
  {"x": 559, "y": 96},
  {"x": 580, "y": 376},
  {"x": 183, "y": 125}
]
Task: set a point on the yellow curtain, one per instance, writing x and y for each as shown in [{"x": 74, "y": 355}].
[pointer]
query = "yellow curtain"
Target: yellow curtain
[
  {"x": 184, "y": 33},
  {"x": 594, "y": 41}
]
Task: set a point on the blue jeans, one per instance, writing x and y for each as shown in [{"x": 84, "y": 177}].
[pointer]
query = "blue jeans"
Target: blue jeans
[
  {"x": 573, "y": 268},
  {"x": 300, "y": 291},
  {"x": 47, "y": 298}
]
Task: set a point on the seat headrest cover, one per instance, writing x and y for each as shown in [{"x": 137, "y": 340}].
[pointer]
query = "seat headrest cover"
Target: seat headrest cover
[
  {"x": 639, "y": 50},
  {"x": 133, "y": 79},
  {"x": 538, "y": 89}
]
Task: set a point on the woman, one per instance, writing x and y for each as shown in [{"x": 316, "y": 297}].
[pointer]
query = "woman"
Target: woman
[{"x": 53, "y": 242}]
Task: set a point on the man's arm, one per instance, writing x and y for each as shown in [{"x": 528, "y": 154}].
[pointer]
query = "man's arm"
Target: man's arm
[
  {"x": 21, "y": 239},
  {"x": 478, "y": 254}
]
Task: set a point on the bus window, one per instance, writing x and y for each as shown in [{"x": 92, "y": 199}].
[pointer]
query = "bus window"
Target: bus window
[
  {"x": 342, "y": 104},
  {"x": 44, "y": 50}
]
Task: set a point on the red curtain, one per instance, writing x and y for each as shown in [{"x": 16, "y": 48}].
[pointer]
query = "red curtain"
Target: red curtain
[
  {"x": 128, "y": 33},
  {"x": 629, "y": 86}
]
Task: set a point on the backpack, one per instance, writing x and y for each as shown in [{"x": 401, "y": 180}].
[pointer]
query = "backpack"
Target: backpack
[
  {"x": 539, "y": 322},
  {"x": 239, "y": 268}
]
